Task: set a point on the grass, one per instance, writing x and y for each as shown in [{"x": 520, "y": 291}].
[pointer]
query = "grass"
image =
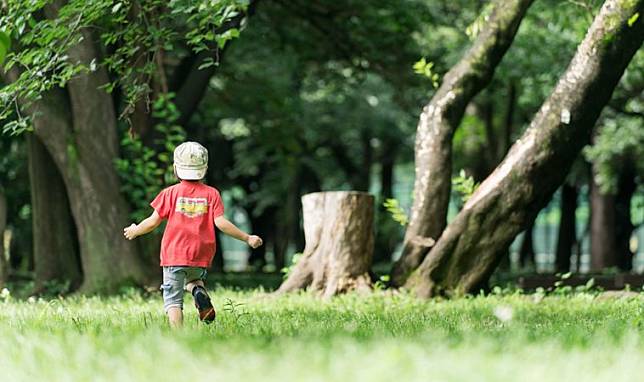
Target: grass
[{"x": 381, "y": 337}]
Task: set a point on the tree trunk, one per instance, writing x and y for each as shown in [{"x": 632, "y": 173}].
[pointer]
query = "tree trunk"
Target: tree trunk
[
  {"x": 4, "y": 270},
  {"x": 623, "y": 225},
  {"x": 437, "y": 125},
  {"x": 54, "y": 236},
  {"x": 508, "y": 124},
  {"x": 603, "y": 251},
  {"x": 260, "y": 225},
  {"x": 80, "y": 133},
  {"x": 504, "y": 204},
  {"x": 387, "y": 163},
  {"x": 99, "y": 209},
  {"x": 287, "y": 224},
  {"x": 387, "y": 230},
  {"x": 526, "y": 251},
  {"x": 338, "y": 227},
  {"x": 567, "y": 236},
  {"x": 364, "y": 175}
]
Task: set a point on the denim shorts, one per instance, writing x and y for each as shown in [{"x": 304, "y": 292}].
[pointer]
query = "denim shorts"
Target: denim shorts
[{"x": 175, "y": 279}]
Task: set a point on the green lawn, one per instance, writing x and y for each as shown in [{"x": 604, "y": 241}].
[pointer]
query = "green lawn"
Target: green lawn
[{"x": 382, "y": 337}]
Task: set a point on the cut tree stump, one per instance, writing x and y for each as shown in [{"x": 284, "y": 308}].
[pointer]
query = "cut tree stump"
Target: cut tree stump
[{"x": 338, "y": 228}]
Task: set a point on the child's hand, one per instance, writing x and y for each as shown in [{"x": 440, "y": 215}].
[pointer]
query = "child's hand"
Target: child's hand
[
  {"x": 254, "y": 241},
  {"x": 130, "y": 232}
]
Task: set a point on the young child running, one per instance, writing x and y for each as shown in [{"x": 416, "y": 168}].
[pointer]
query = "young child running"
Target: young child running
[{"x": 192, "y": 209}]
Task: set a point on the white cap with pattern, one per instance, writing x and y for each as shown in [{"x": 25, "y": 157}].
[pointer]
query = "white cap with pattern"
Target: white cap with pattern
[{"x": 191, "y": 161}]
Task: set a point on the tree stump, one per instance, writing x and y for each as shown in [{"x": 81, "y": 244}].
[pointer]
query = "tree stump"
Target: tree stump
[{"x": 338, "y": 228}]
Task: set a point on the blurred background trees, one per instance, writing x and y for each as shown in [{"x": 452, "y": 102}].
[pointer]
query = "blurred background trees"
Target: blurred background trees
[{"x": 290, "y": 97}]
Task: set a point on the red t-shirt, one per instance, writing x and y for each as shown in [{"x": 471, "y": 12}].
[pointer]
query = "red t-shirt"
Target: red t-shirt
[{"x": 189, "y": 237}]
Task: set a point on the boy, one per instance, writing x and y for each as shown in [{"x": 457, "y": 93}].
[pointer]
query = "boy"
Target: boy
[{"x": 192, "y": 209}]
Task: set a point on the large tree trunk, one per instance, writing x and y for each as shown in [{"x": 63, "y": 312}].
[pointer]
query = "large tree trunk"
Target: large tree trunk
[
  {"x": 471, "y": 247},
  {"x": 54, "y": 236},
  {"x": 567, "y": 236},
  {"x": 603, "y": 251},
  {"x": 261, "y": 225},
  {"x": 437, "y": 125},
  {"x": 508, "y": 124},
  {"x": 387, "y": 230},
  {"x": 338, "y": 227},
  {"x": 4, "y": 270},
  {"x": 80, "y": 133},
  {"x": 99, "y": 209},
  {"x": 624, "y": 226}
]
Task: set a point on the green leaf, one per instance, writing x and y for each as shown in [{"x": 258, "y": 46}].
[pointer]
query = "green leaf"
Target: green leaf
[
  {"x": 633, "y": 19},
  {"x": 5, "y": 45}
]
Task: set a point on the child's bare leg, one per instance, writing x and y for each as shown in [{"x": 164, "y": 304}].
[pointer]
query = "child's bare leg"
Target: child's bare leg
[{"x": 175, "y": 316}]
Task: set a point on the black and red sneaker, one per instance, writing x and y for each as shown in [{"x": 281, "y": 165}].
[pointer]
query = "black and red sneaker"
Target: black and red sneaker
[{"x": 207, "y": 312}]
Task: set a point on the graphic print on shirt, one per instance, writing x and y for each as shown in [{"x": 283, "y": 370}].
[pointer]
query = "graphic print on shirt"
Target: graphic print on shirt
[{"x": 192, "y": 207}]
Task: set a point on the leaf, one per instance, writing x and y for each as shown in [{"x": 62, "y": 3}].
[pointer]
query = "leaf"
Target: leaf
[
  {"x": 208, "y": 62},
  {"x": 633, "y": 19},
  {"x": 5, "y": 45},
  {"x": 116, "y": 7}
]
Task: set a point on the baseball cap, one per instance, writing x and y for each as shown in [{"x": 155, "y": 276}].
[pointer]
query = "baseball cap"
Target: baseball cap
[{"x": 191, "y": 161}]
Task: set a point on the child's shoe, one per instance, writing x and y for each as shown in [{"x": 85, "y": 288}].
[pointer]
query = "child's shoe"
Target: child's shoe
[{"x": 207, "y": 312}]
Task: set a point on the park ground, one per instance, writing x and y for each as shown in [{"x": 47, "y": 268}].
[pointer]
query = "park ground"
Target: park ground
[{"x": 383, "y": 336}]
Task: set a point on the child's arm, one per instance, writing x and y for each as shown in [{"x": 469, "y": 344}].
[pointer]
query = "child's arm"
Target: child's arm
[
  {"x": 147, "y": 225},
  {"x": 231, "y": 230}
]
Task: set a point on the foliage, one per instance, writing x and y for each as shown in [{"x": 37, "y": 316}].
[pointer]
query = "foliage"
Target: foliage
[
  {"x": 424, "y": 68},
  {"x": 5, "y": 45},
  {"x": 619, "y": 140},
  {"x": 145, "y": 170},
  {"x": 464, "y": 185},
  {"x": 300, "y": 337},
  {"x": 397, "y": 213},
  {"x": 135, "y": 35}
]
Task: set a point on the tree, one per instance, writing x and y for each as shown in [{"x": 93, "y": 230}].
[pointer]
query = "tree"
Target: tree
[
  {"x": 62, "y": 72},
  {"x": 438, "y": 122},
  {"x": 333, "y": 110},
  {"x": 617, "y": 171},
  {"x": 55, "y": 249},
  {"x": 469, "y": 249},
  {"x": 567, "y": 236}
]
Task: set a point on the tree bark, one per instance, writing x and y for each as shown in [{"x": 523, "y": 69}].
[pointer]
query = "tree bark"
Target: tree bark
[
  {"x": 54, "y": 235},
  {"x": 603, "y": 248},
  {"x": 567, "y": 236},
  {"x": 508, "y": 125},
  {"x": 99, "y": 208},
  {"x": 78, "y": 128},
  {"x": 338, "y": 227},
  {"x": 437, "y": 125},
  {"x": 387, "y": 230},
  {"x": 623, "y": 225},
  {"x": 261, "y": 225},
  {"x": 470, "y": 248}
]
